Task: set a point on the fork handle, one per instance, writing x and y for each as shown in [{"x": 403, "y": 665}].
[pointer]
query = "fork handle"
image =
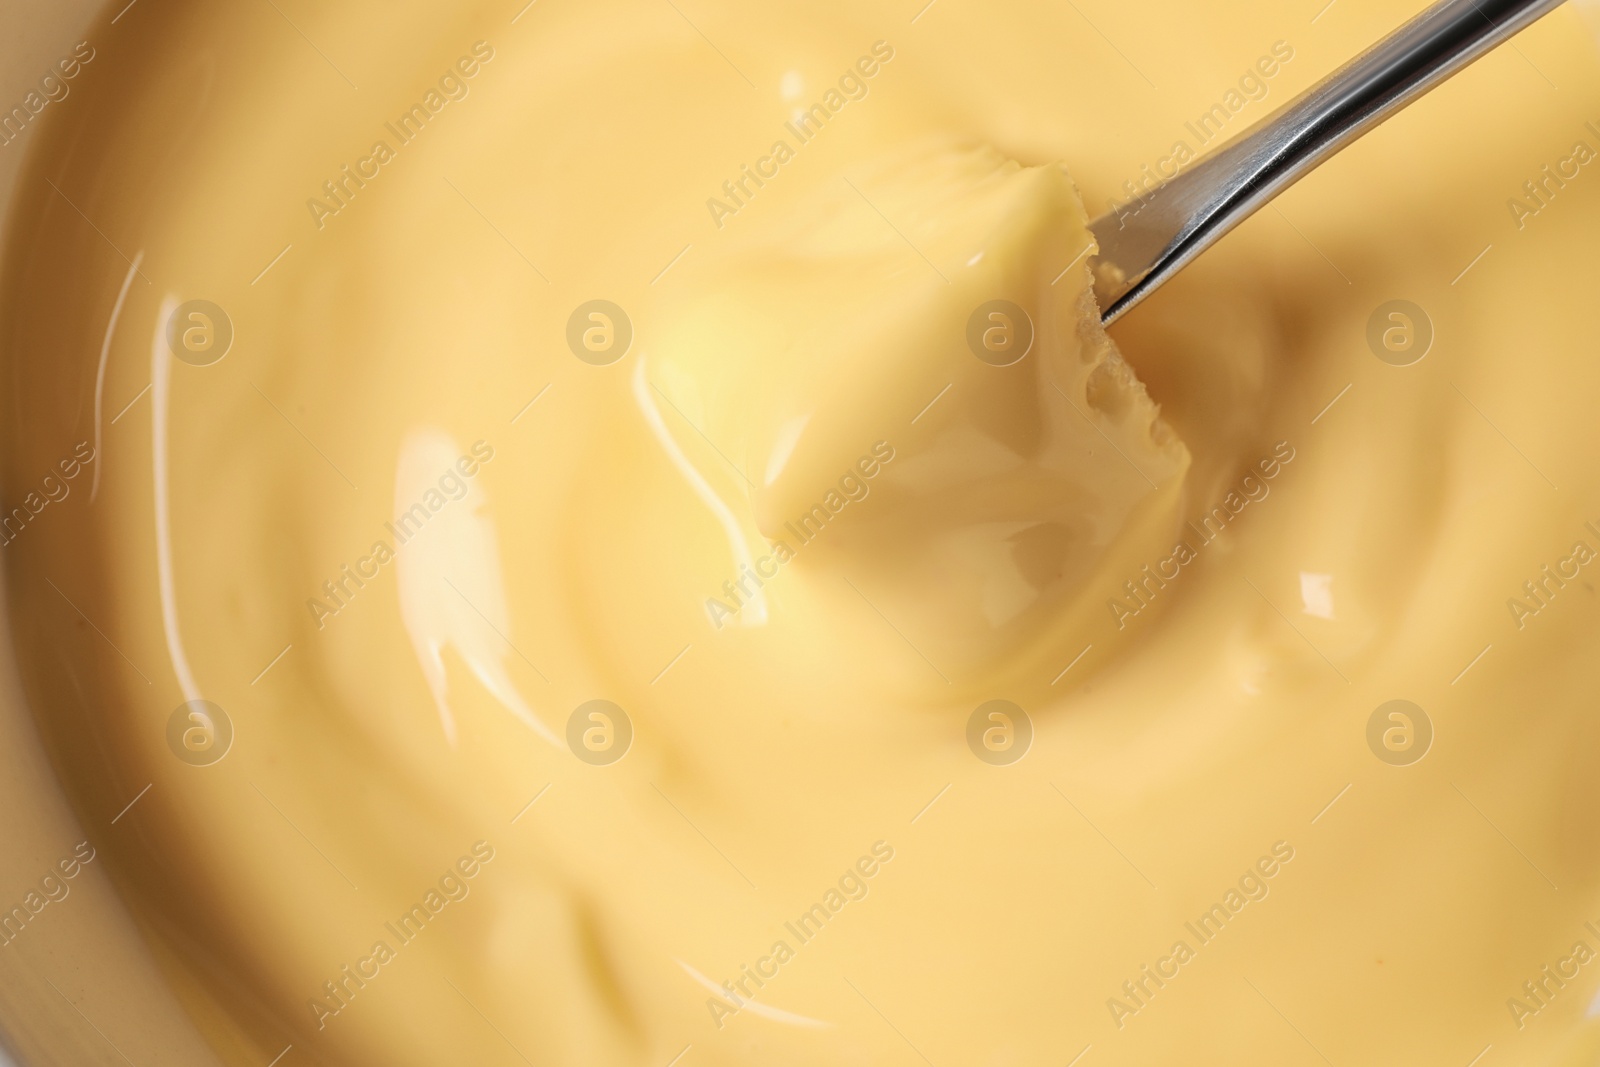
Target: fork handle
[{"x": 1144, "y": 242}]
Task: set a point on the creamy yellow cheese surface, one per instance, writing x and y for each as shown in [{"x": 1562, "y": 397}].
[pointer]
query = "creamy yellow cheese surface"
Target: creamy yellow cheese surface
[{"x": 611, "y": 533}]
